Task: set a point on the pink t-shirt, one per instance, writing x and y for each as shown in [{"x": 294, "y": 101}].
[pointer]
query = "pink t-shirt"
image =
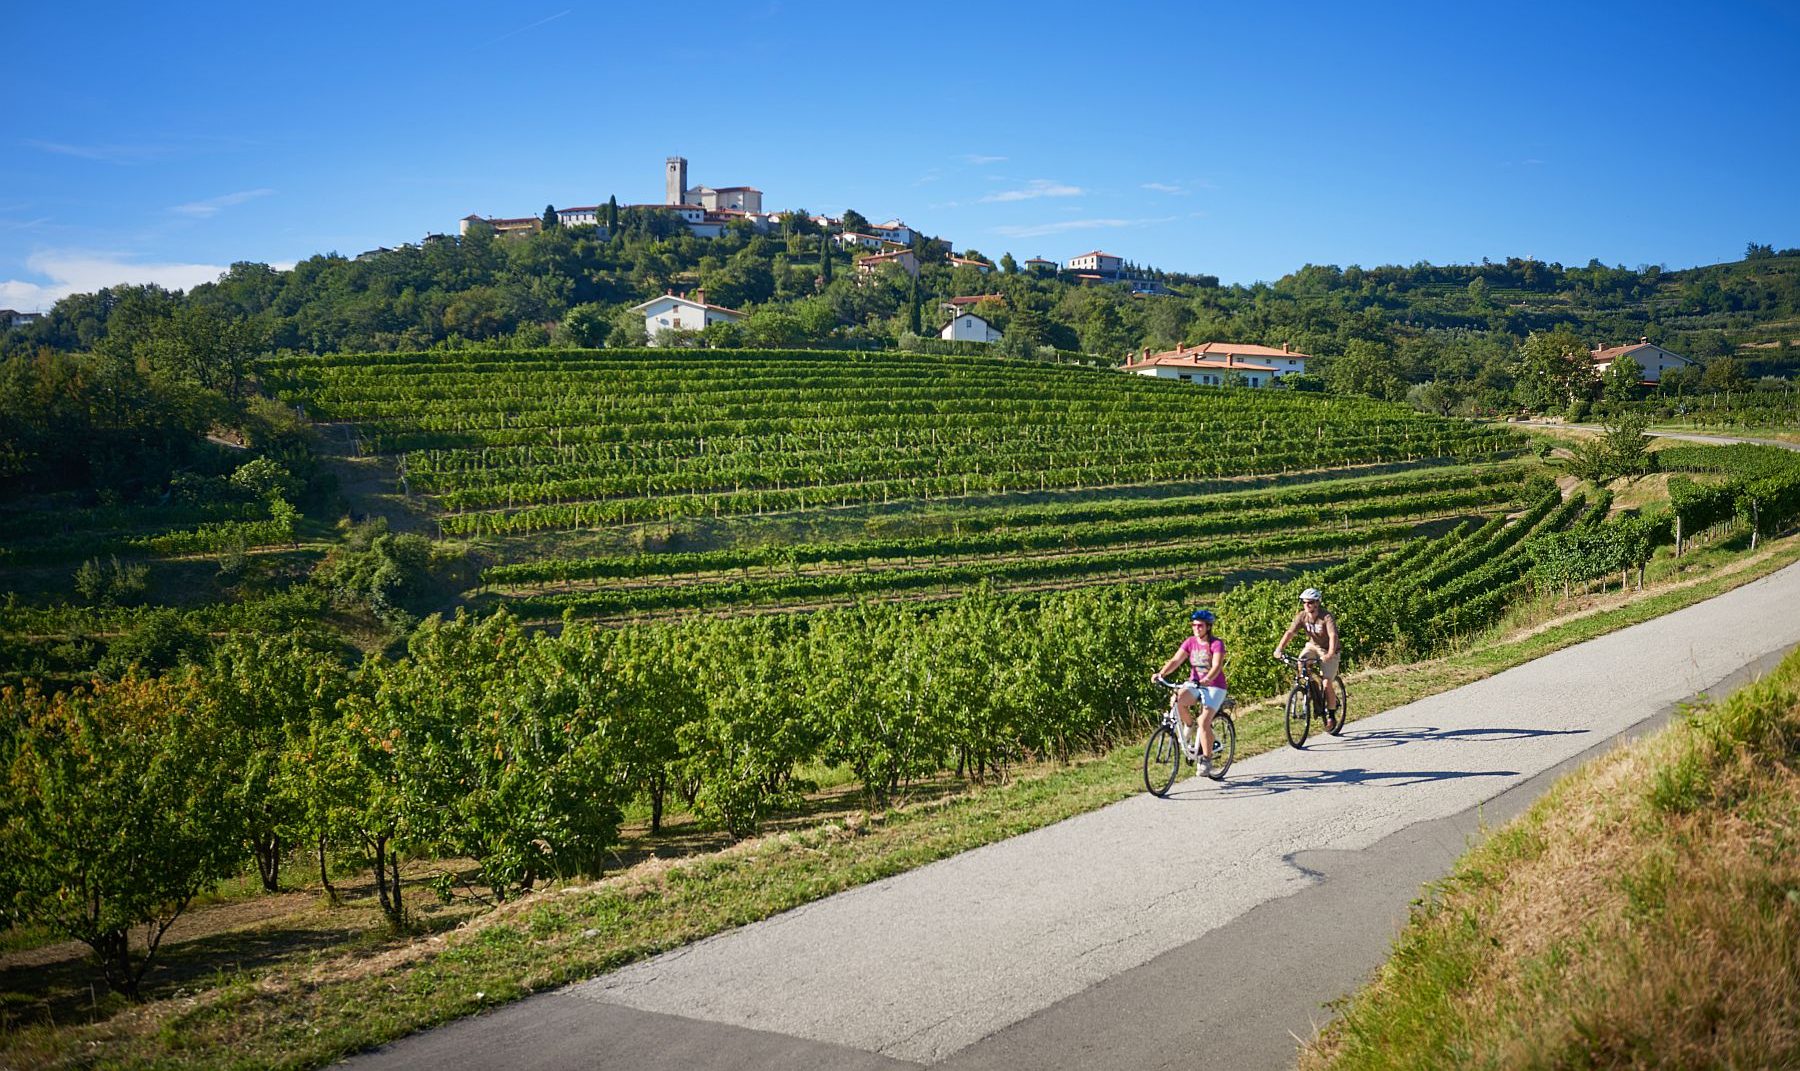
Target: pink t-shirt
[{"x": 1196, "y": 651}]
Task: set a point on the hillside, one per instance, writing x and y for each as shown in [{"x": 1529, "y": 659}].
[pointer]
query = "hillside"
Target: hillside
[{"x": 572, "y": 285}]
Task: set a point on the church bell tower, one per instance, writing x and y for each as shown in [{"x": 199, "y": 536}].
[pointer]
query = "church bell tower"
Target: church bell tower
[{"x": 675, "y": 180}]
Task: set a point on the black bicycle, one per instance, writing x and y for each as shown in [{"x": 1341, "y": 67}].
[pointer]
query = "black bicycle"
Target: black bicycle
[
  {"x": 1306, "y": 701},
  {"x": 1163, "y": 752}
]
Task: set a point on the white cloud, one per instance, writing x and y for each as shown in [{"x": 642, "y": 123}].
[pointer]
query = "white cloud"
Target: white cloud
[
  {"x": 1037, "y": 188},
  {"x": 210, "y": 207},
  {"x": 1163, "y": 187},
  {"x": 73, "y": 272},
  {"x": 982, "y": 161},
  {"x": 1038, "y": 230}
]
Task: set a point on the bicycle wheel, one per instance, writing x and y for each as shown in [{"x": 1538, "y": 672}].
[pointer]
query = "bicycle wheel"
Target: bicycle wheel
[
  {"x": 1162, "y": 761},
  {"x": 1335, "y": 724},
  {"x": 1224, "y": 746},
  {"x": 1299, "y": 715}
]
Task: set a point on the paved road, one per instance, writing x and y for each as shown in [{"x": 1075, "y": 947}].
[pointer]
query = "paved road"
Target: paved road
[
  {"x": 1205, "y": 930},
  {"x": 1683, "y": 436}
]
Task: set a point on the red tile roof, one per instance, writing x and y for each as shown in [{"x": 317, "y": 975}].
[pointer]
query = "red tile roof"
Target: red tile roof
[
  {"x": 974, "y": 299},
  {"x": 1216, "y": 354},
  {"x": 1096, "y": 253},
  {"x": 1196, "y": 361},
  {"x": 684, "y": 301},
  {"x": 1611, "y": 353}
]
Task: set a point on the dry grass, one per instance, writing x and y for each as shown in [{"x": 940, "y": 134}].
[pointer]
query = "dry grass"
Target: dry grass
[{"x": 1645, "y": 913}]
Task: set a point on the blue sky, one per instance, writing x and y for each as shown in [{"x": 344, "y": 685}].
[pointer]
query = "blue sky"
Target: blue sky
[{"x": 163, "y": 142}]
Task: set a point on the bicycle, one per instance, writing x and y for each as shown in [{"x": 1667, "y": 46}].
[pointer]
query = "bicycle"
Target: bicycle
[
  {"x": 1163, "y": 752},
  {"x": 1306, "y": 701}
]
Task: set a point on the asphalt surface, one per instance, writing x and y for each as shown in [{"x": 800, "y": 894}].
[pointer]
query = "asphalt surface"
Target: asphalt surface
[{"x": 1209, "y": 929}]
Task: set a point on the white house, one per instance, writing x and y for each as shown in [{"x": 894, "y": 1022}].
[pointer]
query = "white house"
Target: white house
[
  {"x": 674, "y": 313},
  {"x": 981, "y": 266},
  {"x": 893, "y": 231},
  {"x": 1103, "y": 264},
  {"x": 586, "y": 215},
  {"x": 1210, "y": 364},
  {"x": 1041, "y": 265},
  {"x": 1653, "y": 359},
  {"x": 908, "y": 262},
  {"x": 732, "y": 198},
  {"x": 968, "y": 327},
  {"x": 860, "y": 240}
]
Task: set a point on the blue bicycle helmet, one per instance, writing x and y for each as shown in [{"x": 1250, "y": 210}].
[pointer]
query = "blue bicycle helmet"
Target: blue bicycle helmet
[{"x": 1202, "y": 615}]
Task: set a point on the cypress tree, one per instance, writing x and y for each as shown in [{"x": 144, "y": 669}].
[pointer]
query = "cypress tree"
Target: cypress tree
[
  {"x": 550, "y": 219},
  {"x": 913, "y": 323},
  {"x": 612, "y": 216},
  {"x": 825, "y": 258}
]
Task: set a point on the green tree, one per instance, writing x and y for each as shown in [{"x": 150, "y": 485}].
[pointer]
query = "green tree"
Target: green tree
[
  {"x": 913, "y": 316},
  {"x": 585, "y": 325},
  {"x": 855, "y": 221},
  {"x": 1554, "y": 369},
  {"x": 550, "y": 220},
  {"x": 1364, "y": 368},
  {"x": 825, "y": 259},
  {"x": 1008, "y": 264},
  {"x": 1438, "y": 397},
  {"x": 1724, "y": 373},
  {"x": 612, "y": 216},
  {"x": 197, "y": 345},
  {"x": 1622, "y": 379},
  {"x": 118, "y": 808},
  {"x": 268, "y": 691},
  {"x": 1627, "y": 447}
]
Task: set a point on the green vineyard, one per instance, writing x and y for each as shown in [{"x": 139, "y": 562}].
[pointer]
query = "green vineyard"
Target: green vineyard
[
  {"x": 518, "y": 443},
  {"x": 918, "y": 476}
]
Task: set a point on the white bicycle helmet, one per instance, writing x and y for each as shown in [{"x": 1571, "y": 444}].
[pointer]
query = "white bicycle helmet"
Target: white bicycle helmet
[{"x": 1311, "y": 595}]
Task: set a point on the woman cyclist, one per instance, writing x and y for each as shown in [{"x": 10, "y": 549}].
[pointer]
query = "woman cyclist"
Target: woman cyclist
[
  {"x": 1205, "y": 656},
  {"x": 1321, "y": 641}
]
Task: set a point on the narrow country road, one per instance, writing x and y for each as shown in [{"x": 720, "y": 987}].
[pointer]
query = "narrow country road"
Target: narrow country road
[{"x": 1205, "y": 930}]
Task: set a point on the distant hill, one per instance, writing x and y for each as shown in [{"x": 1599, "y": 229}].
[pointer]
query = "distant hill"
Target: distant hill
[{"x": 573, "y": 285}]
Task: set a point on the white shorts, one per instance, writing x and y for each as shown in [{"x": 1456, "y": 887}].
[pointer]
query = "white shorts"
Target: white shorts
[{"x": 1211, "y": 698}]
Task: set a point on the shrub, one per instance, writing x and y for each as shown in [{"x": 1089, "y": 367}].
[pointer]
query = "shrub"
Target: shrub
[{"x": 112, "y": 584}]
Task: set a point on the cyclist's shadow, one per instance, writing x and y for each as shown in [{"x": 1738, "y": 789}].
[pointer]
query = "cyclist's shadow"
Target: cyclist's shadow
[
  {"x": 1271, "y": 784},
  {"x": 1355, "y": 741}
]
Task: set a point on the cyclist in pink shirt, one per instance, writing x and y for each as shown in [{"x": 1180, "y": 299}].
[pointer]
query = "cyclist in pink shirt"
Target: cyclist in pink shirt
[{"x": 1205, "y": 655}]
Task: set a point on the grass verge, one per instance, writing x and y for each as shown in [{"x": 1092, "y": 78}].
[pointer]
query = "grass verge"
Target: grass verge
[
  {"x": 1644, "y": 913},
  {"x": 314, "y": 1007}
]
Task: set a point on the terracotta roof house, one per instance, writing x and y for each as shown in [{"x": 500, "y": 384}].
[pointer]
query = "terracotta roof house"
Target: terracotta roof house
[
  {"x": 1209, "y": 363},
  {"x": 1653, "y": 359},
  {"x": 905, "y": 258}
]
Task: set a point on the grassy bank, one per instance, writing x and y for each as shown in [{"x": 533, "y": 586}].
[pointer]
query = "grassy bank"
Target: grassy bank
[
  {"x": 1644, "y": 913},
  {"x": 313, "y": 1006}
]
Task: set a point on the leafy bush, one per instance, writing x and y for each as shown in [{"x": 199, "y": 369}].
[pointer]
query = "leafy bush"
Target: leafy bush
[
  {"x": 162, "y": 639},
  {"x": 376, "y": 570},
  {"x": 111, "y": 584}
]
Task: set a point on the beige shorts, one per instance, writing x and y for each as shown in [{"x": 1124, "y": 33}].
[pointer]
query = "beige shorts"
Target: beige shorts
[{"x": 1328, "y": 667}]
